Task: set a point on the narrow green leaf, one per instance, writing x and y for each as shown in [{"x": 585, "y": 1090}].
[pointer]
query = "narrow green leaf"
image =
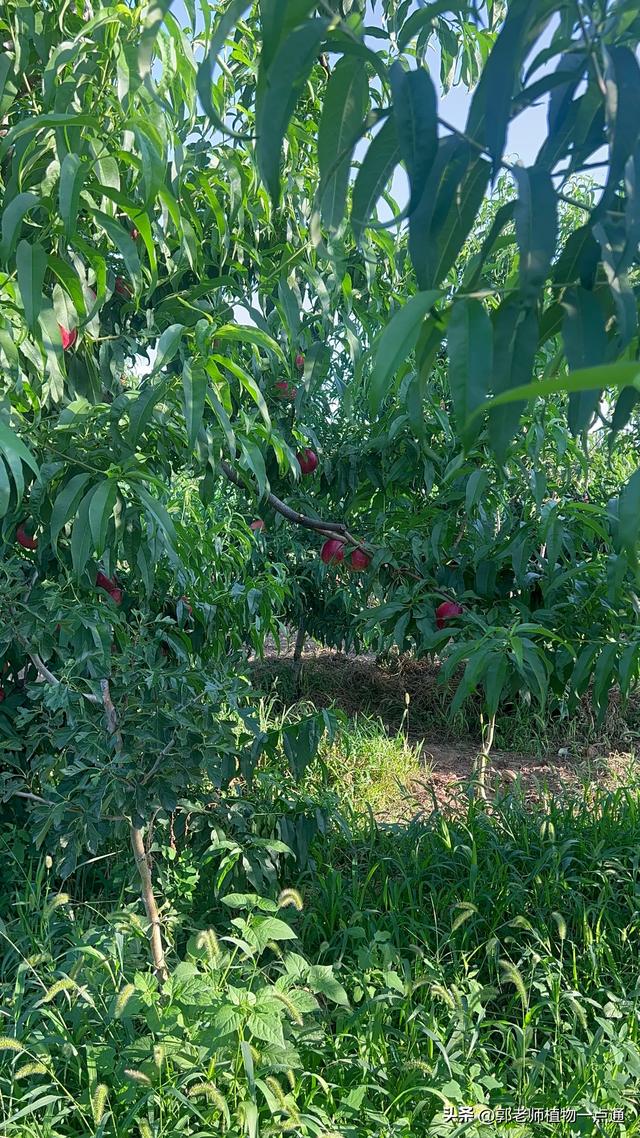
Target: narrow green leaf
[
  {"x": 141, "y": 408},
  {"x": 470, "y": 340},
  {"x": 124, "y": 244},
  {"x": 621, "y": 101},
  {"x": 245, "y": 334},
  {"x": 425, "y": 16},
  {"x": 167, "y": 346},
  {"x": 254, "y": 461},
  {"x": 155, "y": 13},
  {"x": 160, "y": 516},
  {"x": 100, "y": 509},
  {"x": 629, "y": 513},
  {"x": 504, "y": 215},
  {"x": 490, "y": 109},
  {"x": 416, "y": 117},
  {"x": 536, "y": 218},
  {"x": 12, "y": 218},
  {"x": 578, "y": 260},
  {"x": 278, "y": 93},
  {"x": 66, "y": 505},
  {"x": 514, "y": 349},
  {"x": 52, "y": 343},
  {"x": 441, "y": 223},
  {"x": 5, "y": 490},
  {"x": 31, "y": 261},
  {"x": 343, "y": 113},
  {"x": 476, "y": 484},
  {"x": 72, "y": 174},
  {"x": 378, "y": 164},
  {"x": 396, "y": 343},
  {"x": 627, "y": 400},
  {"x": 81, "y": 535},
  {"x": 621, "y": 374},
  {"x": 585, "y": 345},
  {"x": 194, "y": 384},
  {"x": 229, "y": 18}
]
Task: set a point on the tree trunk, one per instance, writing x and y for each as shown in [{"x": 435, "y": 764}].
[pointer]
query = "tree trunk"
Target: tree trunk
[
  {"x": 297, "y": 654},
  {"x": 139, "y": 853},
  {"x": 151, "y": 908}
]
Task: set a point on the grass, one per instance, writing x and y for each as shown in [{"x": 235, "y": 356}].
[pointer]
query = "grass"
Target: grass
[{"x": 484, "y": 958}]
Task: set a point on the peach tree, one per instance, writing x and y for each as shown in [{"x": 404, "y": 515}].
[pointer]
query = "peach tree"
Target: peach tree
[{"x": 196, "y": 280}]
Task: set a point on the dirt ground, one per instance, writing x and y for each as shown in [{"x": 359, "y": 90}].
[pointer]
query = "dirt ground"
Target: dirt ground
[{"x": 406, "y": 694}]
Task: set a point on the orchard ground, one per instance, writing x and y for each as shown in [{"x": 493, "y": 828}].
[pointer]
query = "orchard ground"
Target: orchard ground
[{"x": 401, "y": 702}]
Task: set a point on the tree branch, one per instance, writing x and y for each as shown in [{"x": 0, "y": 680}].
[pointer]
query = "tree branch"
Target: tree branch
[
  {"x": 326, "y": 529},
  {"x": 49, "y": 677}
]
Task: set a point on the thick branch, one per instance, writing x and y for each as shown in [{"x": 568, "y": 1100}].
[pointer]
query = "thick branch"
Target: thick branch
[{"x": 327, "y": 529}]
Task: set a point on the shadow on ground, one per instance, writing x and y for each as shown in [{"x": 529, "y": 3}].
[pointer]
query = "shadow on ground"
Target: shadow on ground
[{"x": 536, "y": 758}]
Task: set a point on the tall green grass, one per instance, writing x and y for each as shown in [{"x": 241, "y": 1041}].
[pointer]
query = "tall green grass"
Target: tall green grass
[{"x": 487, "y": 959}]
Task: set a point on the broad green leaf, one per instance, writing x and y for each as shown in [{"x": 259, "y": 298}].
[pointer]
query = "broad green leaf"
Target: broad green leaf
[
  {"x": 72, "y": 174},
  {"x": 248, "y": 335},
  {"x": 81, "y": 539},
  {"x": 278, "y": 93},
  {"x": 167, "y": 346},
  {"x": 345, "y": 102},
  {"x": 536, "y": 218},
  {"x": 100, "y": 510},
  {"x": 52, "y": 343},
  {"x": 31, "y": 261},
  {"x": 124, "y": 244},
  {"x": 627, "y": 400},
  {"x": 160, "y": 516},
  {"x": 585, "y": 345},
  {"x": 15, "y": 453},
  {"x": 378, "y": 164},
  {"x": 621, "y": 101},
  {"x": 396, "y": 343},
  {"x": 470, "y": 341},
  {"x": 155, "y": 13},
  {"x": 490, "y": 109},
  {"x": 322, "y": 982},
  {"x": 442, "y": 221},
  {"x": 66, "y": 505},
  {"x": 194, "y": 385},
  {"x": 254, "y": 461},
  {"x": 621, "y": 374},
  {"x": 629, "y": 513},
  {"x": 514, "y": 349},
  {"x": 227, "y": 21},
  {"x": 140, "y": 409},
  {"x": 494, "y": 680},
  {"x": 12, "y": 218},
  {"x": 425, "y": 16},
  {"x": 476, "y": 485},
  {"x": 5, "y": 490},
  {"x": 416, "y": 117},
  {"x": 503, "y": 217}
]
